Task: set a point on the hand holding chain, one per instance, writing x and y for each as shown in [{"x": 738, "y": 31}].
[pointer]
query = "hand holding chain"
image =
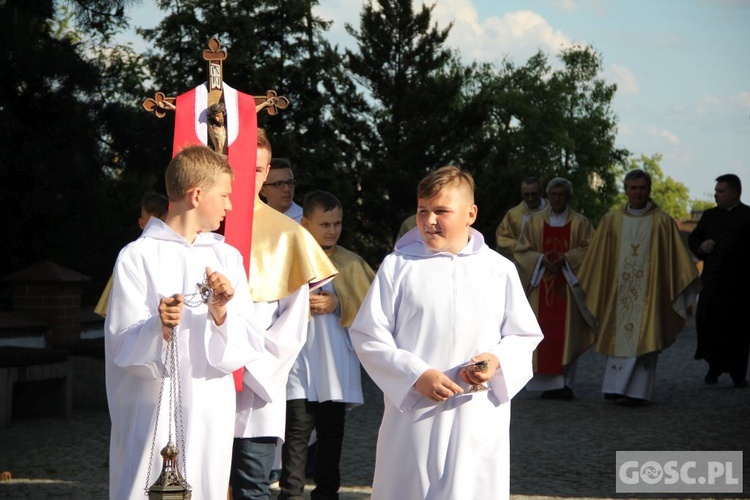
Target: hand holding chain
[{"x": 203, "y": 294}]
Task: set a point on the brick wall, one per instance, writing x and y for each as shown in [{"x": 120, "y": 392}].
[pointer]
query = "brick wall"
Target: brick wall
[{"x": 52, "y": 293}]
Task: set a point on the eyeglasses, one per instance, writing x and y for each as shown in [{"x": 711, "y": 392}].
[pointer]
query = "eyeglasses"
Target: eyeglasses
[{"x": 280, "y": 184}]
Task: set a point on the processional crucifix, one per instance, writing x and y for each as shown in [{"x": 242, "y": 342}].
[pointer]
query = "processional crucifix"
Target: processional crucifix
[
  {"x": 219, "y": 116},
  {"x": 225, "y": 120},
  {"x": 214, "y": 55}
]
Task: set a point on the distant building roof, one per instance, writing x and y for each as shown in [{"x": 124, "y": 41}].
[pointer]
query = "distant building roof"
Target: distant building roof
[{"x": 46, "y": 272}]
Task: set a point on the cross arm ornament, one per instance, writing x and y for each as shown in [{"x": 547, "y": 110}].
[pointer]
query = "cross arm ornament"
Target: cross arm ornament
[
  {"x": 159, "y": 104},
  {"x": 271, "y": 102},
  {"x": 215, "y": 55}
]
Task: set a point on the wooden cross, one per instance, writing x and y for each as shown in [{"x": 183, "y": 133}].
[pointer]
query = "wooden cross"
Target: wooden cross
[
  {"x": 242, "y": 133},
  {"x": 159, "y": 104},
  {"x": 271, "y": 102},
  {"x": 215, "y": 56}
]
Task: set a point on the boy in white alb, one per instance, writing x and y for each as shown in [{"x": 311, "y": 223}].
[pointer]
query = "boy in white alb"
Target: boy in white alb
[
  {"x": 440, "y": 302},
  {"x": 152, "y": 277},
  {"x": 286, "y": 263},
  {"x": 325, "y": 380}
]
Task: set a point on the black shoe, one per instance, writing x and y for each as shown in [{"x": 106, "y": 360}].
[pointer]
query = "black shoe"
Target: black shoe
[
  {"x": 628, "y": 401},
  {"x": 712, "y": 378},
  {"x": 741, "y": 385},
  {"x": 611, "y": 396},
  {"x": 566, "y": 393}
]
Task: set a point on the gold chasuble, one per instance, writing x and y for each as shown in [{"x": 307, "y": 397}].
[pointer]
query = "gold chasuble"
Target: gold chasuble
[
  {"x": 639, "y": 281},
  {"x": 567, "y": 334},
  {"x": 510, "y": 228},
  {"x": 103, "y": 304},
  {"x": 352, "y": 282},
  {"x": 284, "y": 257}
]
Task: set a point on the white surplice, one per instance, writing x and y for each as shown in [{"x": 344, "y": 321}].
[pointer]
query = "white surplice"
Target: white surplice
[
  {"x": 160, "y": 264},
  {"x": 438, "y": 310},
  {"x": 633, "y": 377},
  {"x": 327, "y": 369},
  {"x": 261, "y": 405},
  {"x": 294, "y": 212}
]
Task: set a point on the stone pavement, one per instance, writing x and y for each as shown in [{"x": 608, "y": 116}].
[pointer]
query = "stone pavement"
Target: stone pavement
[{"x": 560, "y": 449}]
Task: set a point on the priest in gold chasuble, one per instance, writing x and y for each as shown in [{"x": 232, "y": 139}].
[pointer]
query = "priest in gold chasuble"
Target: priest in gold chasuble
[
  {"x": 510, "y": 228},
  {"x": 285, "y": 265},
  {"x": 549, "y": 254},
  {"x": 640, "y": 281}
]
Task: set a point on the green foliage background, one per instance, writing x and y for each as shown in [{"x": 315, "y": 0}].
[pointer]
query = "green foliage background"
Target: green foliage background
[{"x": 77, "y": 151}]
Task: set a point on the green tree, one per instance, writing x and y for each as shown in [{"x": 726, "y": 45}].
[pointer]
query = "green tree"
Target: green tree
[
  {"x": 417, "y": 110},
  {"x": 280, "y": 45},
  {"x": 701, "y": 205},
  {"x": 498, "y": 151},
  {"x": 65, "y": 110},
  {"x": 546, "y": 123},
  {"x": 589, "y": 155},
  {"x": 670, "y": 195},
  {"x": 49, "y": 155},
  {"x": 133, "y": 148},
  {"x": 99, "y": 18},
  {"x": 78, "y": 151}
]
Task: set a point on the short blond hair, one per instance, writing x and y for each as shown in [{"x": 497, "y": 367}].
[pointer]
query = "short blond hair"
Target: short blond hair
[
  {"x": 194, "y": 166},
  {"x": 263, "y": 142},
  {"x": 435, "y": 181}
]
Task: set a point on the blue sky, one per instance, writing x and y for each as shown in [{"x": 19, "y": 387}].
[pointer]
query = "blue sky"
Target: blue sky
[{"x": 682, "y": 67}]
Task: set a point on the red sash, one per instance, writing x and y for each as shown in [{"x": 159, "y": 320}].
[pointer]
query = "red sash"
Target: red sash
[
  {"x": 553, "y": 304},
  {"x": 241, "y": 153}
]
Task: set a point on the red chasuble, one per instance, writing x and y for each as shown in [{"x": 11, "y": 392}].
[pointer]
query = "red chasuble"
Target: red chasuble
[
  {"x": 242, "y": 141},
  {"x": 553, "y": 304}
]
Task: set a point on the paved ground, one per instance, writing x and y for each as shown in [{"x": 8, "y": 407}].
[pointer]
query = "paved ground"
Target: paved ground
[{"x": 560, "y": 449}]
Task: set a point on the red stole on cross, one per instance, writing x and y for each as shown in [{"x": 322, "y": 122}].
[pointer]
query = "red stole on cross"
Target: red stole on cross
[
  {"x": 553, "y": 303},
  {"x": 241, "y": 153},
  {"x": 242, "y": 142}
]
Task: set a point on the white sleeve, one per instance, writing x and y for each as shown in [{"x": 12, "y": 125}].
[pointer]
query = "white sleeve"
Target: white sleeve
[
  {"x": 520, "y": 334},
  {"x": 394, "y": 370},
  {"x": 132, "y": 326},
  {"x": 239, "y": 340},
  {"x": 284, "y": 340}
]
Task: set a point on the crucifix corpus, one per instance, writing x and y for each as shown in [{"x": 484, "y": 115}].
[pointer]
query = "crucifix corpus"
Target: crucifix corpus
[{"x": 224, "y": 119}]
